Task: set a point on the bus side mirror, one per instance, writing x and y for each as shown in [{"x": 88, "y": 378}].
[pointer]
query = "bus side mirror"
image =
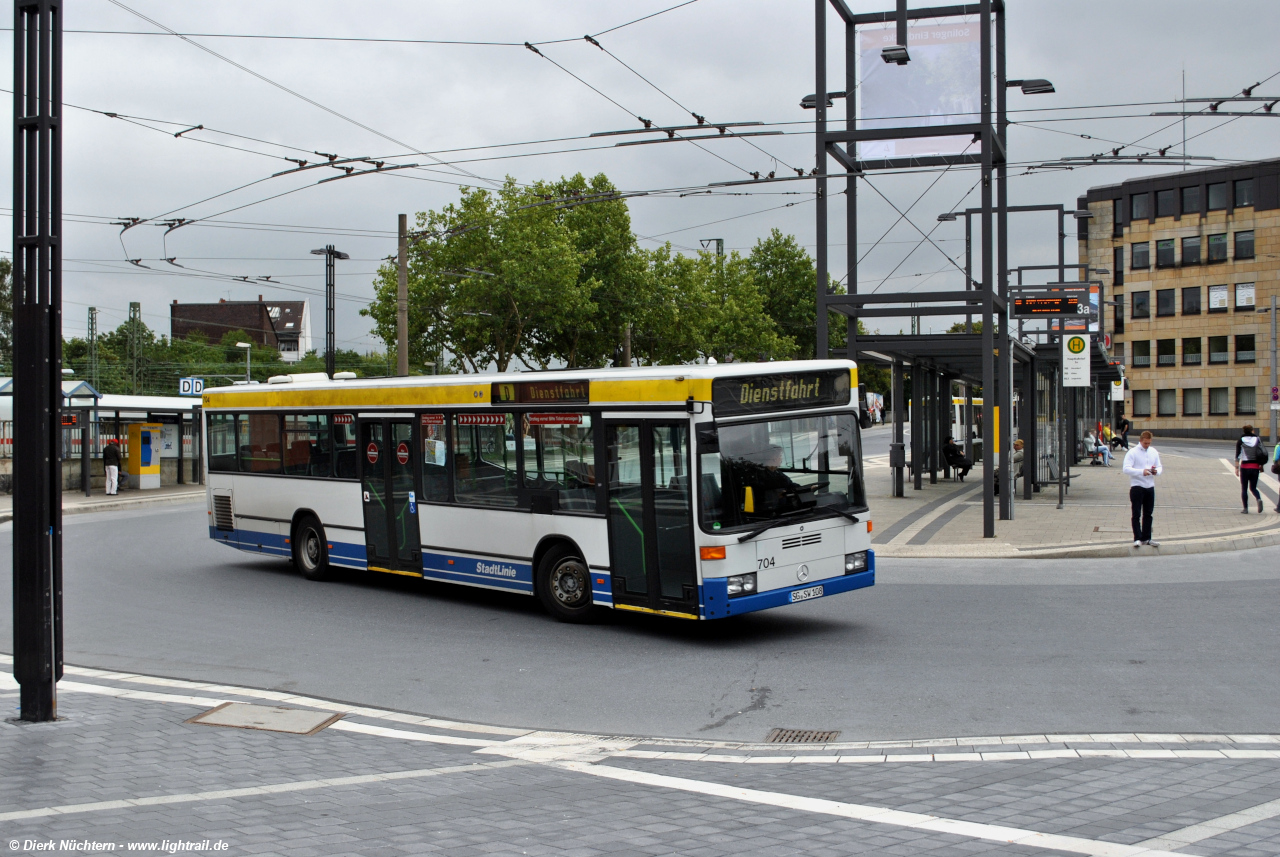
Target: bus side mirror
[{"x": 748, "y": 500}]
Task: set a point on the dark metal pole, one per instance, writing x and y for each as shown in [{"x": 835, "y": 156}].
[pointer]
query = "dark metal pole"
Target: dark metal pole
[
  {"x": 899, "y": 412},
  {"x": 988, "y": 282},
  {"x": 1004, "y": 425},
  {"x": 822, "y": 349},
  {"x": 37, "y": 350},
  {"x": 329, "y": 352}
]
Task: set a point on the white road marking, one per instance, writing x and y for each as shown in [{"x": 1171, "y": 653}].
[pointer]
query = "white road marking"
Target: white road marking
[
  {"x": 252, "y": 791},
  {"x": 1215, "y": 826},
  {"x": 873, "y": 814}
]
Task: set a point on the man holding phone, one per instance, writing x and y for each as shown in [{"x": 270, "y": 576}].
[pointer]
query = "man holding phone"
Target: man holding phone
[{"x": 1142, "y": 463}]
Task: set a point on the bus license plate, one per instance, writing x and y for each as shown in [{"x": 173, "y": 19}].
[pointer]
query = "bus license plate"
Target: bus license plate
[{"x": 806, "y": 594}]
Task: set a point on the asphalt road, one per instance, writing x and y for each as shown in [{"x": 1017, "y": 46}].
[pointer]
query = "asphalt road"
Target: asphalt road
[{"x": 936, "y": 648}]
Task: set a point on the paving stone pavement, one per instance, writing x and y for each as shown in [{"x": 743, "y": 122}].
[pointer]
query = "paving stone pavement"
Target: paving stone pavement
[{"x": 124, "y": 766}]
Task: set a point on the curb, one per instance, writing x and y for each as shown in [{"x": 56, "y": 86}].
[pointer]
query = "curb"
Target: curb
[
  {"x": 1209, "y": 544},
  {"x": 83, "y": 509}
]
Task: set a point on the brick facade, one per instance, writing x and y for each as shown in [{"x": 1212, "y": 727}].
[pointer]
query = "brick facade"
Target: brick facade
[{"x": 1227, "y": 382}]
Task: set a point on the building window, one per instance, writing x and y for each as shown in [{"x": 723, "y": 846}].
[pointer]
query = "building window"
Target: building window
[
  {"x": 1142, "y": 403},
  {"x": 1117, "y": 266},
  {"x": 1142, "y": 352},
  {"x": 1218, "y": 297},
  {"x": 1244, "y": 193},
  {"x": 1165, "y": 253},
  {"x": 1244, "y": 348},
  {"x": 1192, "y": 403},
  {"x": 1191, "y": 355},
  {"x": 1191, "y": 200},
  {"x": 1218, "y": 350},
  {"x": 1244, "y": 297},
  {"x": 1166, "y": 403},
  {"x": 1246, "y": 401},
  {"x": 1140, "y": 206},
  {"x": 1140, "y": 256},
  {"x": 1218, "y": 401},
  {"x": 1166, "y": 203},
  {"x": 1244, "y": 245},
  {"x": 1166, "y": 301},
  {"x": 1191, "y": 300},
  {"x": 1166, "y": 352},
  {"x": 1218, "y": 247},
  {"x": 1191, "y": 250},
  {"x": 1119, "y": 314},
  {"x": 1218, "y": 196},
  {"x": 1141, "y": 305}
]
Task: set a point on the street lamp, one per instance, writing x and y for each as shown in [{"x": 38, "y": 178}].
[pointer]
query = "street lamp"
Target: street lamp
[
  {"x": 248, "y": 355},
  {"x": 329, "y": 254},
  {"x": 1032, "y": 86}
]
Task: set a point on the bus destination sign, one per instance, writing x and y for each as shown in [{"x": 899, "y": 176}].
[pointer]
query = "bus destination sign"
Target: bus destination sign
[
  {"x": 1055, "y": 304},
  {"x": 541, "y": 392},
  {"x": 760, "y": 393}
]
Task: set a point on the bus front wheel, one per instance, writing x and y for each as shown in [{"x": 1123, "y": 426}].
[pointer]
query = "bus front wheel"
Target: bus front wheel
[
  {"x": 564, "y": 585},
  {"x": 310, "y": 550}
]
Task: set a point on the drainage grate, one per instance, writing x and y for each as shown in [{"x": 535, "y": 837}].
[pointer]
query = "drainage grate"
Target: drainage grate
[
  {"x": 277, "y": 718},
  {"x": 800, "y": 736}
]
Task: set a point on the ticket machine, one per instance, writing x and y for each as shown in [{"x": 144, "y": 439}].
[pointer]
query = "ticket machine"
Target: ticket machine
[{"x": 143, "y": 464}]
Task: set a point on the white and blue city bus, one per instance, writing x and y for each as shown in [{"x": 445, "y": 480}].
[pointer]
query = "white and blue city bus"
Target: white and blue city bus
[{"x": 691, "y": 491}]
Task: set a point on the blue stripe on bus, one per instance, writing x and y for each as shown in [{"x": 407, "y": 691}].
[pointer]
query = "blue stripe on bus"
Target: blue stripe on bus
[{"x": 716, "y": 603}]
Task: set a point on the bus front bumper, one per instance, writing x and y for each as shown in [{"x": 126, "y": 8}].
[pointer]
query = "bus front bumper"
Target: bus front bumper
[{"x": 716, "y": 603}]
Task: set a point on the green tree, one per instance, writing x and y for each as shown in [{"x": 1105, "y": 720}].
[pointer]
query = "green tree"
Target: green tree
[{"x": 528, "y": 298}]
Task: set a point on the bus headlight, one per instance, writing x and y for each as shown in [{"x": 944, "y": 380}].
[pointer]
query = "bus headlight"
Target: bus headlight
[
  {"x": 742, "y": 584},
  {"x": 855, "y": 562}
]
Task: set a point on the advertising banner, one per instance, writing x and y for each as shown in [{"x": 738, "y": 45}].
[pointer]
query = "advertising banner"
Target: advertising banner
[{"x": 940, "y": 86}]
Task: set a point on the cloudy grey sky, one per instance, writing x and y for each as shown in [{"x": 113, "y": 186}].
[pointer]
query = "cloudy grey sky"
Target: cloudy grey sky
[{"x": 730, "y": 60}]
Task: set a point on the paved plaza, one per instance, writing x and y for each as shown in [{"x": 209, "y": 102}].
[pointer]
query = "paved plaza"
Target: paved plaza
[{"x": 123, "y": 766}]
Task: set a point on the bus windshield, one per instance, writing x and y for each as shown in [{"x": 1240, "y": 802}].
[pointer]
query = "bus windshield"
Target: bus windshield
[{"x": 781, "y": 468}]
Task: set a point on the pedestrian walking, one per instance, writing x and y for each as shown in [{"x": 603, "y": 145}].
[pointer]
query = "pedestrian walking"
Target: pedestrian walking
[
  {"x": 1250, "y": 456},
  {"x": 1142, "y": 463},
  {"x": 111, "y": 464},
  {"x": 1124, "y": 425}
]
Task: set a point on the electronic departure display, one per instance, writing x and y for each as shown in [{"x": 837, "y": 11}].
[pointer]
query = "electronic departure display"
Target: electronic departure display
[{"x": 1051, "y": 304}]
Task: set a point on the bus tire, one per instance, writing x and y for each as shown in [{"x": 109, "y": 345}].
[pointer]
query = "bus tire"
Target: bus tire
[
  {"x": 563, "y": 584},
  {"x": 310, "y": 550}
]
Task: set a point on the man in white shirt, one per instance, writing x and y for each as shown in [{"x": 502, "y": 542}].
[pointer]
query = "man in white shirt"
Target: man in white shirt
[{"x": 1142, "y": 463}]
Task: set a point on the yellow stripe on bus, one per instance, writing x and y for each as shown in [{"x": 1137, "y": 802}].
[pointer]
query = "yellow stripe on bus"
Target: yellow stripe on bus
[
  {"x": 657, "y": 612},
  {"x": 393, "y": 571}
]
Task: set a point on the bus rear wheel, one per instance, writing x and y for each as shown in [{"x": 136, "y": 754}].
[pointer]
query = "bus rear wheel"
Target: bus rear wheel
[
  {"x": 310, "y": 550},
  {"x": 564, "y": 585}
]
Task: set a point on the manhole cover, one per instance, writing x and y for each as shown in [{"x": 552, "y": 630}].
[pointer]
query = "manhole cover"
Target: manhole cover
[
  {"x": 800, "y": 736},
  {"x": 273, "y": 718}
]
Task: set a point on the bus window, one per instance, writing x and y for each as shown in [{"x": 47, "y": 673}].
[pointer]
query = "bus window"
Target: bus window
[
  {"x": 484, "y": 460},
  {"x": 344, "y": 446},
  {"x": 222, "y": 443},
  {"x": 561, "y": 457},
  {"x": 435, "y": 472},
  {"x": 259, "y": 439},
  {"x": 306, "y": 444}
]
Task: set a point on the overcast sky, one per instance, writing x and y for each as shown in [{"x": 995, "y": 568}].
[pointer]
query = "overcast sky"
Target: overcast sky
[{"x": 739, "y": 61}]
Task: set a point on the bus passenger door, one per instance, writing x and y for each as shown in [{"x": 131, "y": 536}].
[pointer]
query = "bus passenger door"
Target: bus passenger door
[
  {"x": 651, "y": 517},
  {"x": 392, "y": 539}
]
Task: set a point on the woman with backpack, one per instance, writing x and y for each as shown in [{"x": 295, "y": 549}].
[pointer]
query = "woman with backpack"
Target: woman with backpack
[{"x": 1251, "y": 455}]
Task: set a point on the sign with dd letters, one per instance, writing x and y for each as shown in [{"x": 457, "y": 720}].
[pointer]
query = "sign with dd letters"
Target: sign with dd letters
[
  {"x": 190, "y": 386},
  {"x": 1075, "y": 360}
]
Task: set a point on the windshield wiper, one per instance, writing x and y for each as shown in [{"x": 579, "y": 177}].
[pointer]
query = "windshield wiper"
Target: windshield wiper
[{"x": 769, "y": 526}]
